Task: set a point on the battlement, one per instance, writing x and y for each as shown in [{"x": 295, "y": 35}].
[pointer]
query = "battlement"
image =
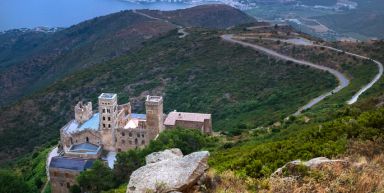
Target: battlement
[
  {"x": 83, "y": 112},
  {"x": 153, "y": 100}
]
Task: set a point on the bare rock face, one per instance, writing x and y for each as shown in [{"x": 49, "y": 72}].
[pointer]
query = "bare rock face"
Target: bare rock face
[
  {"x": 315, "y": 163},
  {"x": 172, "y": 174},
  {"x": 163, "y": 155}
]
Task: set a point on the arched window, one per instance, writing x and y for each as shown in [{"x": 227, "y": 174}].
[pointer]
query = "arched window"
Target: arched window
[{"x": 87, "y": 139}]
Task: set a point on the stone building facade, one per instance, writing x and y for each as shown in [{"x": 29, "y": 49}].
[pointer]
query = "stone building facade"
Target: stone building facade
[
  {"x": 112, "y": 128},
  {"x": 64, "y": 170}
]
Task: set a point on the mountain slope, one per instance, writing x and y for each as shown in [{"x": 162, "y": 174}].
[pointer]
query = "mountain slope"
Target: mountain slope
[
  {"x": 242, "y": 88},
  {"x": 217, "y": 16},
  {"x": 66, "y": 51},
  {"x": 32, "y": 60}
]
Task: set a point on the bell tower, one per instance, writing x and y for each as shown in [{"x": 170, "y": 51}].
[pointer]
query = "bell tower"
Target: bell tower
[
  {"x": 108, "y": 119},
  {"x": 154, "y": 110}
]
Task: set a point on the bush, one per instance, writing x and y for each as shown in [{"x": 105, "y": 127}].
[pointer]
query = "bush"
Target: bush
[{"x": 99, "y": 177}]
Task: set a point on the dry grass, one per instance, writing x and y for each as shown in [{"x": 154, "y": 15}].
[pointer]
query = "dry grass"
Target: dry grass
[{"x": 364, "y": 173}]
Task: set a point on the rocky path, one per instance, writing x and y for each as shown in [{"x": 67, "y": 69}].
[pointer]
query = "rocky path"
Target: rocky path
[{"x": 343, "y": 80}]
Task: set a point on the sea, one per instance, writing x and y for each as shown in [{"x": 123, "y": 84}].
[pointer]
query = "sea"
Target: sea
[{"x": 15, "y": 14}]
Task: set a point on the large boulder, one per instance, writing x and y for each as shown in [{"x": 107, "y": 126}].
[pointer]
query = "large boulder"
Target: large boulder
[
  {"x": 163, "y": 155},
  {"x": 295, "y": 167},
  {"x": 176, "y": 173}
]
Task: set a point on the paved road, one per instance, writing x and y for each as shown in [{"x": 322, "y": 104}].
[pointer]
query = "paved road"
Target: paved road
[
  {"x": 355, "y": 97},
  {"x": 343, "y": 81},
  {"x": 370, "y": 84}
]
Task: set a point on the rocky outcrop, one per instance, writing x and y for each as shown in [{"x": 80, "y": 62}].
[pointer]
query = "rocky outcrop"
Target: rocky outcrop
[
  {"x": 169, "y": 171},
  {"x": 295, "y": 167},
  {"x": 163, "y": 155}
]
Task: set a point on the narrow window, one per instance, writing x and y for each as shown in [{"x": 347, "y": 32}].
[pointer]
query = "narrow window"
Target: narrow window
[
  {"x": 138, "y": 135},
  {"x": 130, "y": 134},
  {"x": 103, "y": 118},
  {"x": 142, "y": 135},
  {"x": 136, "y": 142},
  {"x": 71, "y": 140},
  {"x": 103, "y": 110},
  {"x": 122, "y": 133},
  {"x": 68, "y": 185},
  {"x": 87, "y": 139},
  {"x": 109, "y": 118},
  {"x": 142, "y": 142},
  {"x": 109, "y": 125}
]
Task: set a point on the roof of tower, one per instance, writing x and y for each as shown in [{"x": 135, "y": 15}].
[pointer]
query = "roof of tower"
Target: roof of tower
[
  {"x": 154, "y": 98},
  {"x": 108, "y": 96}
]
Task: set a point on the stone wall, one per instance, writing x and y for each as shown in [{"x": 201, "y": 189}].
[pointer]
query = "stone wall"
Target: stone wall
[
  {"x": 89, "y": 136},
  {"x": 62, "y": 179},
  {"x": 127, "y": 139}
]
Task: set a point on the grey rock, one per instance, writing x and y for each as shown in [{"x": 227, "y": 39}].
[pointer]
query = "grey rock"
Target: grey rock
[
  {"x": 176, "y": 174},
  {"x": 311, "y": 164},
  {"x": 163, "y": 155}
]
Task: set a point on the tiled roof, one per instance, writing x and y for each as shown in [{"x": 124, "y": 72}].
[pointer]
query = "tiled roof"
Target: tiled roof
[
  {"x": 71, "y": 163},
  {"x": 183, "y": 116},
  {"x": 74, "y": 127},
  {"x": 138, "y": 116}
]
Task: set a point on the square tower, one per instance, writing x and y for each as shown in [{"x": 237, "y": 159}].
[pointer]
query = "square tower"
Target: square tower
[
  {"x": 108, "y": 119},
  {"x": 83, "y": 112},
  {"x": 154, "y": 110}
]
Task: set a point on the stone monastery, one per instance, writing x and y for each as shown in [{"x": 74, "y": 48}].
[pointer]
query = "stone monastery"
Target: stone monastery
[{"x": 112, "y": 128}]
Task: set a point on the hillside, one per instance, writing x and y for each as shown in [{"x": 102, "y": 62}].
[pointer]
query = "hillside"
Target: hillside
[
  {"x": 251, "y": 96},
  {"x": 364, "y": 21},
  {"x": 33, "y": 60},
  {"x": 207, "y": 16},
  {"x": 242, "y": 88}
]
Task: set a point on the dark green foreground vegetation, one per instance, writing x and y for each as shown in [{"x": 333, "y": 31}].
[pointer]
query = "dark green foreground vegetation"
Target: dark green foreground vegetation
[{"x": 256, "y": 156}]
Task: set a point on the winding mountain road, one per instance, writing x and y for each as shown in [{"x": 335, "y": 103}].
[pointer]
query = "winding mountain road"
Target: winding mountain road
[
  {"x": 356, "y": 96},
  {"x": 343, "y": 80}
]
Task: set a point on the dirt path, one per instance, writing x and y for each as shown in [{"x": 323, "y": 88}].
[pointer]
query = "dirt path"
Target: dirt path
[{"x": 343, "y": 80}]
